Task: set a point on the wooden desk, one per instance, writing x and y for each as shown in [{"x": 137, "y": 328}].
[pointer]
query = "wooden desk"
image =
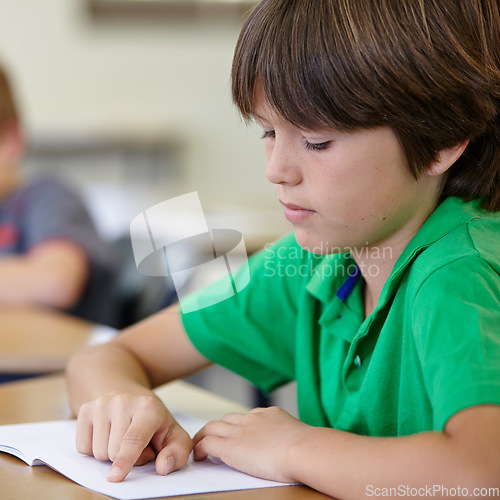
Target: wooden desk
[
  {"x": 44, "y": 398},
  {"x": 39, "y": 340}
]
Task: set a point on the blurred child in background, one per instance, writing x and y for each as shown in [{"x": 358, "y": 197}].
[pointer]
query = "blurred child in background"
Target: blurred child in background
[{"x": 50, "y": 252}]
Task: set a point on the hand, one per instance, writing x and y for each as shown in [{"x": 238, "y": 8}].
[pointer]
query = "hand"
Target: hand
[
  {"x": 259, "y": 443},
  {"x": 131, "y": 429}
]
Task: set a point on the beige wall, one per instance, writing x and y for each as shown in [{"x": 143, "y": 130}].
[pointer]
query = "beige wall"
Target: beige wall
[{"x": 79, "y": 76}]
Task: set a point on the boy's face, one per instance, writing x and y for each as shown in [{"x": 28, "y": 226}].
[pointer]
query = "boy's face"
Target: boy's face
[{"x": 344, "y": 190}]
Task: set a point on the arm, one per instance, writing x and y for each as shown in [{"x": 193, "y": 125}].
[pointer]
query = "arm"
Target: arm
[
  {"x": 52, "y": 274},
  {"x": 109, "y": 386},
  {"x": 272, "y": 444}
]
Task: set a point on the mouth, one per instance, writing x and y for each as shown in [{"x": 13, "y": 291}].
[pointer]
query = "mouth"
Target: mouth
[{"x": 295, "y": 213}]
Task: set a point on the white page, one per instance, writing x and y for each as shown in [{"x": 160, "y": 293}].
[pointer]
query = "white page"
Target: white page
[{"x": 54, "y": 444}]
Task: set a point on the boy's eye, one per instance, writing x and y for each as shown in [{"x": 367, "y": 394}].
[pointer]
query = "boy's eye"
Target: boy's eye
[
  {"x": 319, "y": 146},
  {"x": 313, "y": 146}
]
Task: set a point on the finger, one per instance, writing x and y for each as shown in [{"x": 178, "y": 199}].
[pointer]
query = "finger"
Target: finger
[
  {"x": 260, "y": 409},
  {"x": 213, "y": 428},
  {"x": 118, "y": 430},
  {"x": 133, "y": 443},
  {"x": 176, "y": 452},
  {"x": 100, "y": 438},
  {"x": 209, "y": 445},
  {"x": 233, "y": 418},
  {"x": 84, "y": 432}
]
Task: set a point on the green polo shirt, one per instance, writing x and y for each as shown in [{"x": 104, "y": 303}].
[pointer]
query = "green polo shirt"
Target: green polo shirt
[{"x": 430, "y": 348}]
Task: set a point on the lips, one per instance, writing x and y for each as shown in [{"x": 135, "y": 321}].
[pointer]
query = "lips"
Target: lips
[{"x": 296, "y": 213}]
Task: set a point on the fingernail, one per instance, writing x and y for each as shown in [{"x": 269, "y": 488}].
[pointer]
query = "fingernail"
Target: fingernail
[
  {"x": 113, "y": 473},
  {"x": 169, "y": 465}
]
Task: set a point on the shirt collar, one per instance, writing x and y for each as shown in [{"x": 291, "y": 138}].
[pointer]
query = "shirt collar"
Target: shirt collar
[
  {"x": 448, "y": 216},
  {"x": 329, "y": 275},
  {"x": 332, "y": 270}
]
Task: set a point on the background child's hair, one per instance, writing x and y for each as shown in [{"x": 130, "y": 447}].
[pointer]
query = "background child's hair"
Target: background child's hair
[
  {"x": 8, "y": 110},
  {"x": 429, "y": 69}
]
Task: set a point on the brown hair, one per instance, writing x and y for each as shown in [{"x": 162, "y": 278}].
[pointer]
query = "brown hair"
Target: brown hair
[
  {"x": 8, "y": 110},
  {"x": 429, "y": 69}
]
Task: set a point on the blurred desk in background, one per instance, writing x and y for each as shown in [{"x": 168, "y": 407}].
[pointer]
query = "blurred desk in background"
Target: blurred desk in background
[{"x": 34, "y": 341}]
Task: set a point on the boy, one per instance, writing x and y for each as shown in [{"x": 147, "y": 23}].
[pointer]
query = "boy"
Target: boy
[
  {"x": 50, "y": 252},
  {"x": 382, "y": 131}
]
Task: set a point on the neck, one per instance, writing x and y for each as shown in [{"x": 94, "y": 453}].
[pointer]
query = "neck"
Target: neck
[
  {"x": 377, "y": 261},
  {"x": 10, "y": 180},
  {"x": 375, "y": 265}
]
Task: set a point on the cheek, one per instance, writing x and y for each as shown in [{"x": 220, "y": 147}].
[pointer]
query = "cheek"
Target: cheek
[{"x": 360, "y": 192}]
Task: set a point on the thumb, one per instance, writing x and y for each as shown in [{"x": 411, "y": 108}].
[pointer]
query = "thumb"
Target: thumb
[{"x": 176, "y": 453}]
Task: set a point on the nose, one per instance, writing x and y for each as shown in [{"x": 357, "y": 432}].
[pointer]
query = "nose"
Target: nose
[{"x": 282, "y": 163}]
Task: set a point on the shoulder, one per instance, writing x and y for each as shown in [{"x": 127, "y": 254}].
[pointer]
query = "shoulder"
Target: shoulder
[
  {"x": 51, "y": 198},
  {"x": 41, "y": 192},
  {"x": 35, "y": 195},
  {"x": 472, "y": 242},
  {"x": 49, "y": 185},
  {"x": 484, "y": 234},
  {"x": 458, "y": 268},
  {"x": 455, "y": 282}
]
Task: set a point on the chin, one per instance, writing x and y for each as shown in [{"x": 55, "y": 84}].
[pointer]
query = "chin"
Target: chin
[
  {"x": 315, "y": 244},
  {"x": 324, "y": 242}
]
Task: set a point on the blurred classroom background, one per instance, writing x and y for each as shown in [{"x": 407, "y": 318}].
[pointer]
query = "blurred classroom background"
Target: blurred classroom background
[{"x": 130, "y": 101}]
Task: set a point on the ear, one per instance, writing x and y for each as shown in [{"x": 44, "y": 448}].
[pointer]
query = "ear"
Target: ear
[{"x": 446, "y": 158}]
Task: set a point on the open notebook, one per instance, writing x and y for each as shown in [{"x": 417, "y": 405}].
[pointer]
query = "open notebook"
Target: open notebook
[{"x": 53, "y": 444}]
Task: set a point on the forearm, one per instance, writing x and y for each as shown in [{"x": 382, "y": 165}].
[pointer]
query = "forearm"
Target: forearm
[
  {"x": 147, "y": 354},
  {"x": 51, "y": 276},
  {"x": 22, "y": 283},
  {"x": 349, "y": 466},
  {"x": 102, "y": 370}
]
